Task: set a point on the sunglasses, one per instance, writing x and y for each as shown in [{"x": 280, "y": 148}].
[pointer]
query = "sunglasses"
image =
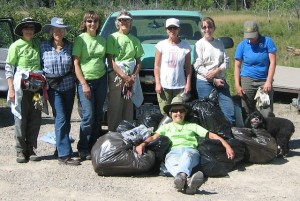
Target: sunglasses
[
  {"x": 207, "y": 27},
  {"x": 91, "y": 21},
  {"x": 180, "y": 110},
  {"x": 172, "y": 28},
  {"x": 28, "y": 27},
  {"x": 124, "y": 20}
]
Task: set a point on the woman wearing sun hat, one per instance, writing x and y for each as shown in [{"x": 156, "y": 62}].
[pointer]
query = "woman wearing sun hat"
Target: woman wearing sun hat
[
  {"x": 89, "y": 52},
  {"x": 24, "y": 58},
  {"x": 172, "y": 67},
  {"x": 57, "y": 64},
  {"x": 183, "y": 155},
  {"x": 124, "y": 52}
]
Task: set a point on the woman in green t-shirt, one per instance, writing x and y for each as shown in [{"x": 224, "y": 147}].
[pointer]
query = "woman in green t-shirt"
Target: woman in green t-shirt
[
  {"x": 89, "y": 52},
  {"x": 183, "y": 155},
  {"x": 22, "y": 60},
  {"x": 123, "y": 54}
]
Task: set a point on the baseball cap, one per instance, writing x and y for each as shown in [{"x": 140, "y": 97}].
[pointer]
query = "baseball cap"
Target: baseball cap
[
  {"x": 172, "y": 21},
  {"x": 250, "y": 29}
]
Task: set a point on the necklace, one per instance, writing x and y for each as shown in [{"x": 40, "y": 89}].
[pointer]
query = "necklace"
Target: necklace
[{"x": 177, "y": 128}]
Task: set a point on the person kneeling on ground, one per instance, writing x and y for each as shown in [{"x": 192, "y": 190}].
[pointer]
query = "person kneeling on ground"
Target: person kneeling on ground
[{"x": 183, "y": 155}]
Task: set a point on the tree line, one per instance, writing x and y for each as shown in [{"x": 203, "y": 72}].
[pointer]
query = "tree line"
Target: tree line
[{"x": 163, "y": 4}]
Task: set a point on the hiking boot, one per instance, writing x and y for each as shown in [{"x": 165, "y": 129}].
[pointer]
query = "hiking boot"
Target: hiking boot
[
  {"x": 32, "y": 156},
  {"x": 194, "y": 183},
  {"x": 20, "y": 157},
  {"x": 85, "y": 155},
  {"x": 180, "y": 181},
  {"x": 68, "y": 161}
]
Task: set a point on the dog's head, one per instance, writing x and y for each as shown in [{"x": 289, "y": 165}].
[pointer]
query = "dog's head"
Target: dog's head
[{"x": 255, "y": 120}]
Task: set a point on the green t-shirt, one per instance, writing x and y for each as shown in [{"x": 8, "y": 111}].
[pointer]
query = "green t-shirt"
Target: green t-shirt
[
  {"x": 25, "y": 55},
  {"x": 91, "y": 51},
  {"x": 182, "y": 135},
  {"x": 124, "y": 47}
]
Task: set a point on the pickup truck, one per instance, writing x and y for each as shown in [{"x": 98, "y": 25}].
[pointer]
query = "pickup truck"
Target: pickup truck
[
  {"x": 149, "y": 27},
  {"x": 7, "y": 37}
]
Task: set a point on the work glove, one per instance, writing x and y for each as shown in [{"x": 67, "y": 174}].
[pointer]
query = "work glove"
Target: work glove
[{"x": 262, "y": 98}]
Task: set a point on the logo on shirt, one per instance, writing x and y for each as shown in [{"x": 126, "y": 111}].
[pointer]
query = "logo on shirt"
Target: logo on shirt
[{"x": 172, "y": 60}]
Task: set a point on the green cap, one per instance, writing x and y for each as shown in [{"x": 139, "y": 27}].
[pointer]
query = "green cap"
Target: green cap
[{"x": 250, "y": 29}]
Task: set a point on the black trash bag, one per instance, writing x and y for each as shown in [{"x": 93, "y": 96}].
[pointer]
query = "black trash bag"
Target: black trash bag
[
  {"x": 151, "y": 120},
  {"x": 214, "y": 160},
  {"x": 112, "y": 157},
  {"x": 163, "y": 171},
  {"x": 260, "y": 145},
  {"x": 166, "y": 119},
  {"x": 160, "y": 147},
  {"x": 126, "y": 125},
  {"x": 212, "y": 118}
]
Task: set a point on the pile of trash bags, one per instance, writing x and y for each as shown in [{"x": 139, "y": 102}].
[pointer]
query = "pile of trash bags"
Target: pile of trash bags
[{"x": 114, "y": 153}]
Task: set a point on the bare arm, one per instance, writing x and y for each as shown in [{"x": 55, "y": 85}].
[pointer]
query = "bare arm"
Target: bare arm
[
  {"x": 9, "y": 74},
  {"x": 11, "y": 89},
  {"x": 229, "y": 150},
  {"x": 271, "y": 72},
  {"x": 188, "y": 70},
  {"x": 141, "y": 147},
  {"x": 237, "y": 70},
  {"x": 157, "y": 64},
  {"x": 80, "y": 77}
]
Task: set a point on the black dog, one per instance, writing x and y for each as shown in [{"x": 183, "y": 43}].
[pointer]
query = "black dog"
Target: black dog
[{"x": 281, "y": 129}]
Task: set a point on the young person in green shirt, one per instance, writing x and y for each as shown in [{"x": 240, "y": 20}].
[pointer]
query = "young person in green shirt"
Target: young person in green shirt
[
  {"x": 183, "y": 155},
  {"x": 89, "y": 52},
  {"x": 23, "y": 58}
]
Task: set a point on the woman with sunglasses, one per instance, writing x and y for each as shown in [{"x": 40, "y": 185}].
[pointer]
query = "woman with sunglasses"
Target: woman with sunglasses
[
  {"x": 172, "y": 67},
  {"x": 89, "y": 52},
  {"x": 124, "y": 53},
  {"x": 183, "y": 155},
  {"x": 23, "y": 59},
  {"x": 211, "y": 63}
]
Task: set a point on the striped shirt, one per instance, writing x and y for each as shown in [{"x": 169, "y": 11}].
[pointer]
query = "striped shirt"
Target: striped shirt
[{"x": 58, "y": 63}]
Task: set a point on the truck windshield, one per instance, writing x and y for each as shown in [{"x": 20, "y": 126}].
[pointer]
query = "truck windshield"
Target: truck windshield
[{"x": 151, "y": 29}]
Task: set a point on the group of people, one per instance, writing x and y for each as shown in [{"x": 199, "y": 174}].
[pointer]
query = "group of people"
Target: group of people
[{"x": 57, "y": 59}]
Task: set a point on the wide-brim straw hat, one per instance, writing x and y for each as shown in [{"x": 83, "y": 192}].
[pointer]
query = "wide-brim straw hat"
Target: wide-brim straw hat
[
  {"x": 58, "y": 23},
  {"x": 177, "y": 101},
  {"x": 25, "y": 22}
]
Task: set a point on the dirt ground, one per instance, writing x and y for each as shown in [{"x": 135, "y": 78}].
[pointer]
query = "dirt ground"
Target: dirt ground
[{"x": 47, "y": 180}]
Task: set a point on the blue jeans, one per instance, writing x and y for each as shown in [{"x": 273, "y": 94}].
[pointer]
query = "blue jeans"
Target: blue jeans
[
  {"x": 204, "y": 88},
  {"x": 182, "y": 160},
  {"x": 62, "y": 106},
  {"x": 92, "y": 113}
]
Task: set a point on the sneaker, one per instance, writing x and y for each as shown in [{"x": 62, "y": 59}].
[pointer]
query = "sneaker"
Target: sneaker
[
  {"x": 194, "y": 183},
  {"x": 32, "y": 156},
  {"x": 68, "y": 161},
  {"x": 21, "y": 157},
  {"x": 84, "y": 155},
  {"x": 180, "y": 181}
]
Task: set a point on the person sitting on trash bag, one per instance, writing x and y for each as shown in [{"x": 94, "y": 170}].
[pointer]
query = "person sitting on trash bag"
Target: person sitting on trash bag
[{"x": 183, "y": 155}]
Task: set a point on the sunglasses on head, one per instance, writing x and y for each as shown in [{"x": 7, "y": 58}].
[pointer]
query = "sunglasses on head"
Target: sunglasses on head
[
  {"x": 172, "y": 28},
  {"x": 124, "y": 20},
  {"x": 91, "y": 21},
  {"x": 176, "y": 110},
  {"x": 207, "y": 27}
]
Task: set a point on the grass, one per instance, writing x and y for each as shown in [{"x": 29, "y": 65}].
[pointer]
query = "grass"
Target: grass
[{"x": 282, "y": 28}]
